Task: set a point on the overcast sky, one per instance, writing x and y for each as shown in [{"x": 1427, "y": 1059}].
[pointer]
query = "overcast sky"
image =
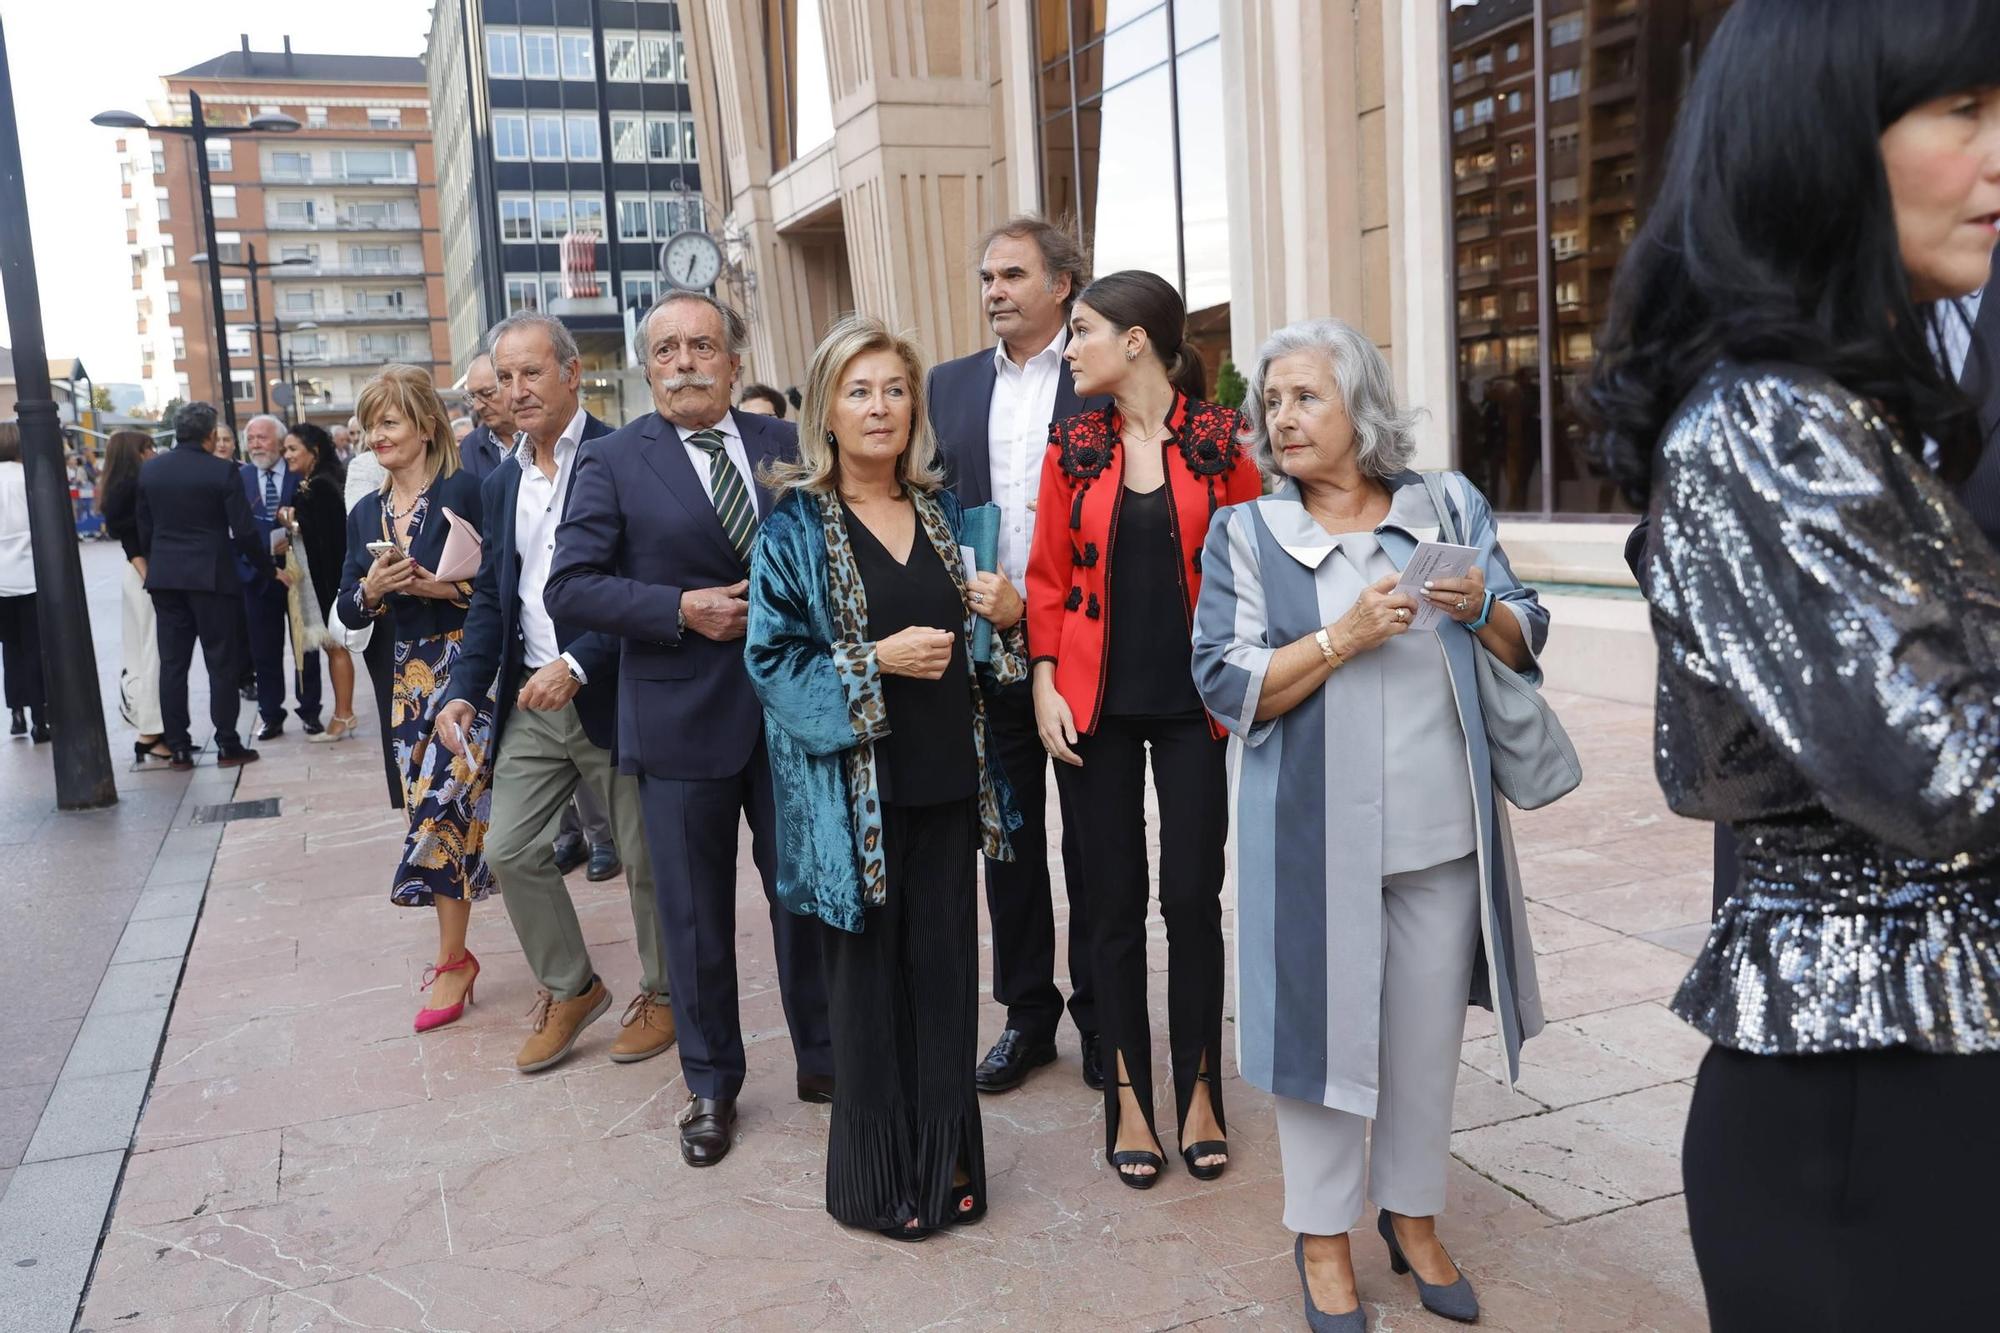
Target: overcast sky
[{"x": 73, "y": 58}]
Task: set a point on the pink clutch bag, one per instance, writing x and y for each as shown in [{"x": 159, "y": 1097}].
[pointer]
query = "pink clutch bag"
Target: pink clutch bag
[{"x": 460, "y": 560}]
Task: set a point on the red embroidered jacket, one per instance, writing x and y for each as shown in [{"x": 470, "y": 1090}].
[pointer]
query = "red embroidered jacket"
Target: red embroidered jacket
[{"x": 1076, "y": 519}]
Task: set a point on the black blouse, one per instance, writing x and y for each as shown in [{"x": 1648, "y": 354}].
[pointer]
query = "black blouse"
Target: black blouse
[
  {"x": 119, "y": 507},
  {"x": 322, "y": 518},
  {"x": 928, "y": 757},
  {"x": 1149, "y": 660}
]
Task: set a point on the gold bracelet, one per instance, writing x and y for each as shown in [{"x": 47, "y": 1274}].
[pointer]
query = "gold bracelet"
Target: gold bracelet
[{"x": 1334, "y": 657}]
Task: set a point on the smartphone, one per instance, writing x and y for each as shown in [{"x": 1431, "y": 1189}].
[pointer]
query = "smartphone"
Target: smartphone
[{"x": 379, "y": 549}]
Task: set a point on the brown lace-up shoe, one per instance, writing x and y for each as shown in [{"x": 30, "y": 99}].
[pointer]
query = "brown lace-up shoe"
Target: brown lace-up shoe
[
  {"x": 646, "y": 1029},
  {"x": 557, "y": 1025}
]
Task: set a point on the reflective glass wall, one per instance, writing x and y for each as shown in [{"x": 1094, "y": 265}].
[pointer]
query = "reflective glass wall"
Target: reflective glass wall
[
  {"x": 1130, "y": 105},
  {"x": 1560, "y": 115}
]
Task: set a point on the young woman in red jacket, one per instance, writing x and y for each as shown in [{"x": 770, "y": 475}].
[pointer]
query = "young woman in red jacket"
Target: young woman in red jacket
[{"x": 1126, "y": 498}]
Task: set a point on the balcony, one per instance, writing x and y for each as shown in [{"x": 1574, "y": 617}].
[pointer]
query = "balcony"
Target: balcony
[
  {"x": 392, "y": 315},
  {"x": 1621, "y": 87},
  {"x": 338, "y": 178},
  {"x": 1619, "y": 143},
  {"x": 1615, "y": 31},
  {"x": 402, "y": 268},
  {"x": 344, "y": 222},
  {"x": 358, "y": 360},
  {"x": 1478, "y": 132},
  {"x": 1474, "y": 229},
  {"x": 1475, "y": 279},
  {"x": 1472, "y": 182}
]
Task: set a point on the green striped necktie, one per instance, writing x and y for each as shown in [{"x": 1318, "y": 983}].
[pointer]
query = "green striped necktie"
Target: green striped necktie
[{"x": 725, "y": 486}]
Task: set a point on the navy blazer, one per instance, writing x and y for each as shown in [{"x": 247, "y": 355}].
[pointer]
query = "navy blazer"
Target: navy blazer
[
  {"x": 267, "y": 519},
  {"x": 492, "y": 652},
  {"x": 960, "y": 397},
  {"x": 638, "y": 532},
  {"x": 195, "y": 526},
  {"x": 481, "y": 453},
  {"x": 415, "y": 617}
]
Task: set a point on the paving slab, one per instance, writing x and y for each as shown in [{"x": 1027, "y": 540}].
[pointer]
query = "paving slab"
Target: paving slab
[
  {"x": 89, "y": 1115},
  {"x": 49, "y": 1221}
]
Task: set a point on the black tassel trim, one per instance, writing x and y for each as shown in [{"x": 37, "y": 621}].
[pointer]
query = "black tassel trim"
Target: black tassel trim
[
  {"x": 1090, "y": 555},
  {"x": 1074, "y": 600},
  {"x": 1092, "y": 610},
  {"x": 1076, "y": 507}
]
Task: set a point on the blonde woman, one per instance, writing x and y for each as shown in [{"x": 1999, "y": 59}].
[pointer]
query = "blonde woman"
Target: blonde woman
[
  {"x": 394, "y": 539},
  {"x": 860, "y": 615}
]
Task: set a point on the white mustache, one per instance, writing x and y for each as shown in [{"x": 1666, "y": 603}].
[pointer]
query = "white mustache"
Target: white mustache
[{"x": 692, "y": 380}]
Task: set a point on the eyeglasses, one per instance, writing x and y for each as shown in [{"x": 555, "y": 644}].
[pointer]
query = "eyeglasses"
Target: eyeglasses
[{"x": 484, "y": 395}]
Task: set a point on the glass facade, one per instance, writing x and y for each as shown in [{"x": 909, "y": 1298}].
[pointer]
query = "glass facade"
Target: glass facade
[
  {"x": 1560, "y": 115},
  {"x": 1131, "y": 144}
]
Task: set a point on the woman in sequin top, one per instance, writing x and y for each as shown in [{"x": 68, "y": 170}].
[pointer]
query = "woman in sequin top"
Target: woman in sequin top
[{"x": 1828, "y": 622}]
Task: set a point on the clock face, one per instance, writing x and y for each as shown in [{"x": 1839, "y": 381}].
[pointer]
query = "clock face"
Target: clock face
[{"x": 691, "y": 261}]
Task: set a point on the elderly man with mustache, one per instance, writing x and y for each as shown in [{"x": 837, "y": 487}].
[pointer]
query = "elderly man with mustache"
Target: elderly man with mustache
[{"x": 655, "y": 548}]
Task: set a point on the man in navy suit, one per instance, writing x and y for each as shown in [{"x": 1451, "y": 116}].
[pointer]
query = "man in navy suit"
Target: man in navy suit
[
  {"x": 194, "y": 528},
  {"x": 556, "y": 690},
  {"x": 991, "y": 412},
  {"x": 644, "y": 554},
  {"x": 491, "y": 440},
  {"x": 269, "y": 486}
]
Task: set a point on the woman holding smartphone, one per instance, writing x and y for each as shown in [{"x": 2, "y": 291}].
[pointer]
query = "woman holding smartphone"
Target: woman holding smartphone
[{"x": 394, "y": 540}]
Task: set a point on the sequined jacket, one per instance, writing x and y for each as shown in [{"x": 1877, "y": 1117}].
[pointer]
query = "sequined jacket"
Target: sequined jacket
[
  {"x": 1828, "y": 623},
  {"x": 814, "y": 669}
]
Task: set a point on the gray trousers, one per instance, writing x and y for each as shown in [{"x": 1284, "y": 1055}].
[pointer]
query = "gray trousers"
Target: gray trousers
[
  {"x": 1430, "y": 930},
  {"x": 543, "y": 758},
  {"x": 586, "y": 817}
]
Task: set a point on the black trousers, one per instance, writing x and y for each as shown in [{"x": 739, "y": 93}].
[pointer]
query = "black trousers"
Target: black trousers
[
  {"x": 380, "y": 659},
  {"x": 1193, "y": 788},
  {"x": 183, "y": 619},
  {"x": 691, "y": 832},
  {"x": 21, "y": 645},
  {"x": 903, "y": 996},
  {"x": 264, "y": 607},
  {"x": 1842, "y": 1193},
  {"x": 1019, "y": 900}
]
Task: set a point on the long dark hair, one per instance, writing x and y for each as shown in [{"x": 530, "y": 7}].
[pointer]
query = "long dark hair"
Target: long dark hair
[
  {"x": 1774, "y": 235},
  {"x": 1135, "y": 299},
  {"x": 124, "y": 451},
  {"x": 326, "y": 463}
]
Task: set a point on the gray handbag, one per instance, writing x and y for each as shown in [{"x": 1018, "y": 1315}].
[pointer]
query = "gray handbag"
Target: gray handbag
[{"x": 1534, "y": 762}]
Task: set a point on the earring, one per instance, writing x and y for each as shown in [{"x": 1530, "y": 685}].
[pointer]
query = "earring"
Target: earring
[
  {"x": 1131, "y": 355},
  {"x": 831, "y": 443}
]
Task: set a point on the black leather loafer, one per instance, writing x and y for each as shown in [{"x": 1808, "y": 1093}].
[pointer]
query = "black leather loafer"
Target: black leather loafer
[
  {"x": 234, "y": 756},
  {"x": 180, "y": 761},
  {"x": 1011, "y": 1060},
  {"x": 571, "y": 852},
  {"x": 816, "y": 1088},
  {"x": 1093, "y": 1062},
  {"x": 270, "y": 731},
  {"x": 603, "y": 864},
  {"x": 705, "y": 1129}
]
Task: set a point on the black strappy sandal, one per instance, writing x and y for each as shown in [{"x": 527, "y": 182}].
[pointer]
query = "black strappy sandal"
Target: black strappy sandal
[
  {"x": 965, "y": 1206},
  {"x": 908, "y": 1233},
  {"x": 1193, "y": 1153},
  {"x": 1138, "y": 1157}
]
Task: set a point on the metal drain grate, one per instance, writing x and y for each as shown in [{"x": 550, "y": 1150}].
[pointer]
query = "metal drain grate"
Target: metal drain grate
[{"x": 263, "y": 808}]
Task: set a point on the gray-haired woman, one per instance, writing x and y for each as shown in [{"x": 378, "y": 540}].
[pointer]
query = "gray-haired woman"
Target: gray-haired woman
[{"x": 1363, "y": 928}]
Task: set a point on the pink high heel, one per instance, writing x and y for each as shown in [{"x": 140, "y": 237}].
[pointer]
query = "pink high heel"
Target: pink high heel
[{"x": 437, "y": 1018}]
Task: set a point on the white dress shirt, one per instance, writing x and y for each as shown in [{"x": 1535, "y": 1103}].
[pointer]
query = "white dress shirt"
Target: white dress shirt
[
  {"x": 1017, "y": 438},
  {"x": 17, "y": 560},
  {"x": 537, "y": 510},
  {"x": 732, "y": 445}
]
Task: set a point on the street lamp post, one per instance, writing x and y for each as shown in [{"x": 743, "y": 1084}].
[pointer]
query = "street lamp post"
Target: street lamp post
[
  {"x": 82, "y": 754},
  {"x": 253, "y": 266},
  {"x": 199, "y": 132}
]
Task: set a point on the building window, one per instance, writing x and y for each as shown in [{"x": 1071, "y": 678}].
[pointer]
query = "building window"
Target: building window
[
  {"x": 1517, "y": 153},
  {"x": 628, "y": 139},
  {"x": 1564, "y": 243},
  {"x": 640, "y": 293},
  {"x": 633, "y": 218},
  {"x": 583, "y": 142},
  {"x": 298, "y": 212},
  {"x": 1523, "y": 302},
  {"x": 224, "y": 199},
  {"x": 517, "y": 217},
  {"x": 290, "y": 166},
  {"x": 577, "y": 57},
  {"x": 1482, "y": 111},
  {"x": 234, "y": 294},
  {"x": 621, "y": 57},
  {"x": 687, "y": 139},
  {"x": 1513, "y": 52},
  {"x": 545, "y": 138},
  {"x": 160, "y": 202},
  {"x": 1562, "y": 190},
  {"x": 1565, "y": 83},
  {"x": 167, "y": 259},
  {"x": 243, "y": 385},
  {"x": 552, "y": 214},
  {"x": 238, "y": 338},
  {"x": 662, "y": 139},
  {"x": 385, "y": 118},
  {"x": 229, "y": 245},
  {"x": 587, "y": 213},
  {"x": 656, "y": 58},
  {"x": 221, "y": 155},
  {"x": 1566, "y": 30},
  {"x": 315, "y": 117},
  {"x": 1483, "y": 62},
  {"x": 503, "y": 53},
  {"x": 538, "y": 55},
  {"x": 173, "y": 296},
  {"x": 1515, "y": 102},
  {"x": 309, "y": 253},
  {"x": 159, "y": 160},
  {"x": 524, "y": 292},
  {"x": 510, "y": 138},
  {"x": 301, "y": 300},
  {"x": 180, "y": 345}
]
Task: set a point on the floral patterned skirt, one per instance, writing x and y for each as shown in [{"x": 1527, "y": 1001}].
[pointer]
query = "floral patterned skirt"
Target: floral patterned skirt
[{"x": 446, "y": 796}]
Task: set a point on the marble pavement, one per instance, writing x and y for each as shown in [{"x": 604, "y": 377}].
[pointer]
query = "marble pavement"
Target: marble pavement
[{"x": 305, "y": 1162}]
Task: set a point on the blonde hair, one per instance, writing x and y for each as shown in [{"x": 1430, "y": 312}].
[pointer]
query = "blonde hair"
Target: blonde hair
[
  {"x": 818, "y": 466},
  {"x": 408, "y": 392}
]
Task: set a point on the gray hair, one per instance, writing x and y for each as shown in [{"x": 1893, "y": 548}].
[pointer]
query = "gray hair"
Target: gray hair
[
  {"x": 735, "y": 328},
  {"x": 558, "y": 334},
  {"x": 1384, "y": 437},
  {"x": 266, "y": 416}
]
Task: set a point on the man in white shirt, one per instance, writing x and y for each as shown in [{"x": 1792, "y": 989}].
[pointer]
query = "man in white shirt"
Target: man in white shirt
[
  {"x": 991, "y": 412},
  {"x": 555, "y": 708}
]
